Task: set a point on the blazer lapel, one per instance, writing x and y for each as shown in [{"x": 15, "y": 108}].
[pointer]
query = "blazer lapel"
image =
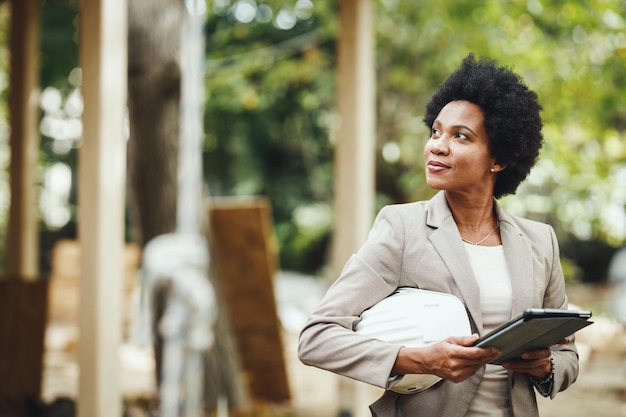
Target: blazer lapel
[
  {"x": 447, "y": 242},
  {"x": 517, "y": 252}
]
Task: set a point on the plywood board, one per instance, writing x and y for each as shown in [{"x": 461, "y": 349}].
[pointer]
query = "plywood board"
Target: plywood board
[{"x": 245, "y": 256}]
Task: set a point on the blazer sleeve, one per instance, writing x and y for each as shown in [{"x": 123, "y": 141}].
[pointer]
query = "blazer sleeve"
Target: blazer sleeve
[
  {"x": 328, "y": 340},
  {"x": 565, "y": 357}
]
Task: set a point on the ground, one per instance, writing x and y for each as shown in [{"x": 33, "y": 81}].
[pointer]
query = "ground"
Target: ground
[{"x": 600, "y": 390}]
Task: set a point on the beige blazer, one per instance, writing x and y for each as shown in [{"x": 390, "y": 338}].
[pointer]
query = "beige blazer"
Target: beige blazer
[{"x": 418, "y": 245}]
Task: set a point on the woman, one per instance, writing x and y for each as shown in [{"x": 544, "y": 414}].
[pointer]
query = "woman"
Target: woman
[{"x": 485, "y": 137}]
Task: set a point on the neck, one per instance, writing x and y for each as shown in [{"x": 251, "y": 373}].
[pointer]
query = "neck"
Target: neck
[{"x": 472, "y": 214}]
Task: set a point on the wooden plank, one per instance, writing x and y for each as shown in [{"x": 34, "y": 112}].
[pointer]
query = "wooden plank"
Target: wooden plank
[
  {"x": 244, "y": 251},
  {"x": 22, "y": 327}
]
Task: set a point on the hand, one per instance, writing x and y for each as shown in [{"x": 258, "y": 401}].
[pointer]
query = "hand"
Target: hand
[
  {"x": 534, "y": 362},
  {"x": 453, "y": 359}
]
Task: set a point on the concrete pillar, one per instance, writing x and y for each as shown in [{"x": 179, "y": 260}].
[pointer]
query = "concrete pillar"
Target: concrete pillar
[
  {"x": 354, "y": 154},
  {"x": 101, "y": 198},
  {"x": 355, "y": 148}
]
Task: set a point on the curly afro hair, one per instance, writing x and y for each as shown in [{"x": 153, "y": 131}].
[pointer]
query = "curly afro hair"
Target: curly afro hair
[{"x": 511, "y": 113}]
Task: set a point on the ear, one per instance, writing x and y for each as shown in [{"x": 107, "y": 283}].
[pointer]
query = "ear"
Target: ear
[{"x": 495, "y": 168}]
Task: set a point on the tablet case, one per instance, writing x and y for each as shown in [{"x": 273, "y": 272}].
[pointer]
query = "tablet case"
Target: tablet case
[{"x": 534, "y": 329}]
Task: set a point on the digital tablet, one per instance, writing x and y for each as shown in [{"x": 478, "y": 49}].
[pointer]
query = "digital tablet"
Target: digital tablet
[{"x": 534, "y": 329}]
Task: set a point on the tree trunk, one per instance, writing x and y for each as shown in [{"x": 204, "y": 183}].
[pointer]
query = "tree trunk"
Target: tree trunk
[{"x": 154, "y": 110}]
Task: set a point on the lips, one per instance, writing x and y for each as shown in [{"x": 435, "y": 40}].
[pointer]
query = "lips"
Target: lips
[{"x": 436, "y": 166}]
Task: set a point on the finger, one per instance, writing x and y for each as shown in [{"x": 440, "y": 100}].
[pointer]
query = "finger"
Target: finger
[
  {"x": 462, "y": 348},
  {"x": 534, "y": 367},
  {"x": 458, "y": 370},
  {"x": 536, "y": 354},
  {"x": 523, "y": 364},
  {"x": 463, "y": 340},
  {"x": 475, "y": 356}
]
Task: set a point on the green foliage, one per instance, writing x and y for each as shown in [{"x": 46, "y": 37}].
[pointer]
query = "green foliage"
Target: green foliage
[
  {"x": 270, "y": 99},
  {"x": 59, "y": 41},
  {"x": 271, "y": 105},
  {"x": 573, "y": 54}
]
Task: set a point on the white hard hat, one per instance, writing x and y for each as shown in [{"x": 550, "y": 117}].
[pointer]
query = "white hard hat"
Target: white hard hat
[{"x": 415, "y": 318}]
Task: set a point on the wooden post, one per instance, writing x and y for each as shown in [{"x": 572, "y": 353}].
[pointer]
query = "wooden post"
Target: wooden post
[
  {"x": 355, "y": 149},
  {"x": 23, "y": 240},
  {"x": 101, "y": 197},
  {"x": 22, "y": 295}
]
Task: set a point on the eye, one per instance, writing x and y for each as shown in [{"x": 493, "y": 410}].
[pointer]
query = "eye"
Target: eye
[
  {"x": 435, "y": 132},
  {"x": 462, "y": 136}
]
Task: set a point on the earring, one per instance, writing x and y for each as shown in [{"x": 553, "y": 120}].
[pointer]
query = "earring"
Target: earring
[{"x": 493, "y": 170}]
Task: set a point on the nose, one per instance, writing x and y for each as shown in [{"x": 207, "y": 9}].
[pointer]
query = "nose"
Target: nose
[{"x": 438, "y": 146}]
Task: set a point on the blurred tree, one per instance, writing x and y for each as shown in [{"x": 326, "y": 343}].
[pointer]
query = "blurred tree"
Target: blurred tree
[
  {"x": 154, "y": 39},
  {"x": 153, "y": 110},
  {"x": 573, "y": 54},
  {"x": 270, "y": 114},
  {"x": 270, "y": 119},
  {"x": 270, "y": 111},
  {"x": 59, "y": 79}
]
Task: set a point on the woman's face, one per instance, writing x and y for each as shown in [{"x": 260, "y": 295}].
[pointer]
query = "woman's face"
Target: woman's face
[{"x": 457, "y": 154}]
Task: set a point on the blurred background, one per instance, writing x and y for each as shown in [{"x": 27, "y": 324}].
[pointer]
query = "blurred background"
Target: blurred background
[
  {"x": 271, "y": 126},
  {"x": 270, "y": 117}
]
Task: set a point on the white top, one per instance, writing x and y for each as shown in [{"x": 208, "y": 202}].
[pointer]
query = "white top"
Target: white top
[{"x": 496, "y": 299}]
